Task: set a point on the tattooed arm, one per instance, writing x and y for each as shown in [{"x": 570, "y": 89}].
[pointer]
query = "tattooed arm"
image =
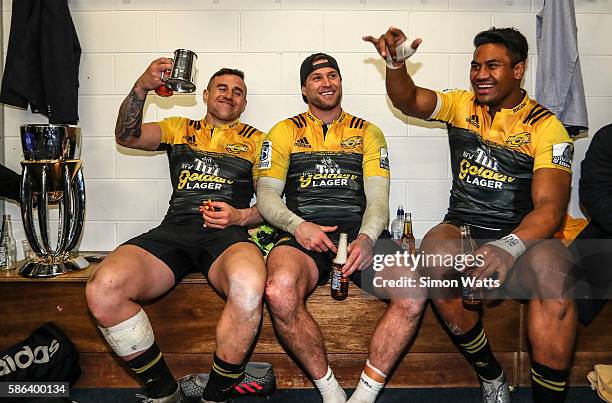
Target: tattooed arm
[{"x": 129, "y": 130}]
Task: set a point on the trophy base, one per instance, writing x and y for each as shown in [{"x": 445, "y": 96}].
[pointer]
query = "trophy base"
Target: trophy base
[{"x": 38, "y": 268}]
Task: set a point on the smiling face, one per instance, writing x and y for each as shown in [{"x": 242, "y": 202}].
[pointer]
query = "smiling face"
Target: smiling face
[
  {"x": 225, "y": 99},
  {"x": 323, "y": 88},
  {"x": 496, "y": 82}
]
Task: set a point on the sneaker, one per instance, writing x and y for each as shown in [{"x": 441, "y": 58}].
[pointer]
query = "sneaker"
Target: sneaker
[
  {"x": 176, "y": 397},
  {"x": 495, "y": 391},
  {"x": 259, "y": 380}
]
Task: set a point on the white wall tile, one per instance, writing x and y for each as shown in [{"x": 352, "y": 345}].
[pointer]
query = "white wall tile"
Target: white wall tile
[
  {"x": 90, "y": 5},
  {"x": 423, "y": 5},
  {"x": 284, "y": 31},
  {"x": 128, "y": 230},
  {"x": 122, "y": 200},
  {"x": 598, "y": 109},
  {"x": 128, "y": 68},
  {"x": 108, "y": 31},
  {"x": 580, "y": 149},
  {"x": 98, "y": 114},
  {"x": 447, "y": 32},
  {"x": 13, "y": 153},
  {"x": 322, "y": 4},
  {"x": 136, "y": 164},
  {"x": 594, "y": 33},
  {"x": 15, "y": 117},
  {"x": 344, "y": 30},
  {"x": 163, "y": 192},
  {"x": 188, "y": 105},
  {"x": 7, "y": 5},
  {"x": 290, "y": 71},
  {"x": 417, "y": 158},
  {"x": 378, "y": 109},
  {"x": 487, "y": 5},
  {"x": 259, "y": 80},
  {"x": 397, "y": 196},
  {"x": 594, "y": 68},
  {"x": 537, "y": 5},
  {"x": 421, "y": 228},
  {"x": 210, "y": 31},
  {"x": 592, "y": 6},
  {"x": 424, "y": 128},
  {"x": 98, "y": 157},
  {"x": 197, "y": 4},
  {"x": 526, "y": 23},
  {"x": 97, "y": 235},
  {"x": 264, "y": 111},
  {"x": 428, "y": 200},
  {"x": 96, "y": 74},
  {"x": 6, "y": 29}
]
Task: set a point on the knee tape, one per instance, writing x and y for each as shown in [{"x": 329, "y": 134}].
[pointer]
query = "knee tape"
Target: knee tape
[{"x": 131, "y": 336}]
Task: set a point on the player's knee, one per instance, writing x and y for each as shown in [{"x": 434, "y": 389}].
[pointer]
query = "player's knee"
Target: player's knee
[
  {"x": 281, "y": 297},
  {"x": 246, "y": 293},
  {"x": 105, "y": 290},
  {"x": 409, "y": 309}
]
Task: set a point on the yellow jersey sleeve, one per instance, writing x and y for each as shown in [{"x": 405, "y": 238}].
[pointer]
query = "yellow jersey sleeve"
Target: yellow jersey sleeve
[
  {"x": 172, "y": 129},
  {"x": 450, "y": 103},
  {"x": 275, "y": 151},
  {"x": 375, "y": 154},
  {"x": 553, "y": 147}
]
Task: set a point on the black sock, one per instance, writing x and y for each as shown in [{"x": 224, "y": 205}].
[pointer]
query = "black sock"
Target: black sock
[
  {"x": 222, "y": 377},
  {"x": 475, "y": 346},
  {"x": 548, "y": 385},
  {"x": 152, "y": 370}
]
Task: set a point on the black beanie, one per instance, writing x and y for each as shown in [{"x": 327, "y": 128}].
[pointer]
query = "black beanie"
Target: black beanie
[{"x": 309, "y": 65}]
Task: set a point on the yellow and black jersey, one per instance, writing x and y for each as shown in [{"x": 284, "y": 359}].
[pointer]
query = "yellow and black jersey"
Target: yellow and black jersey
[
  {"x": 493, "y": 159},
  {"x": 207, "y": 162},
  {"x": 324, "y": 165}
]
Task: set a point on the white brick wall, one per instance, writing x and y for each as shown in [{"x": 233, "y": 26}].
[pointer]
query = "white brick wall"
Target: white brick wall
[{"x": 128, "y": 191}]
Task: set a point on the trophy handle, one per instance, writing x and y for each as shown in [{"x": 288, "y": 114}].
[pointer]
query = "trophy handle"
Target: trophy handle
[
  {"x": 26, "y": 211},
  {"x": 66, "y": 212},
  {"x": 43, "y": 211},
  {"x": 79, "y": 209}
]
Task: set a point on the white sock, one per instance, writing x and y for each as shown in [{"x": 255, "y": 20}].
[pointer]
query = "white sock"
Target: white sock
[
  {"x": 367, "y": 389},
  {"x": 330, "y": 390}
]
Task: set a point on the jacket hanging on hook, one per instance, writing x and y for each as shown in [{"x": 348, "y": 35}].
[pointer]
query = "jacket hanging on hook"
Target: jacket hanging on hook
[{"x": 42, "y": 62}]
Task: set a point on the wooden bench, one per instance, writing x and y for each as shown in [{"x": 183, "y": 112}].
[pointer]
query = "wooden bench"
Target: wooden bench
[{"x": 184, "y": 322}]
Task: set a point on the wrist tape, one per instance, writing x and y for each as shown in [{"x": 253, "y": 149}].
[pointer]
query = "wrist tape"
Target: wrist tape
[
  {"x": 511, "y": 244},
  {"x": 402, "y": 52}
]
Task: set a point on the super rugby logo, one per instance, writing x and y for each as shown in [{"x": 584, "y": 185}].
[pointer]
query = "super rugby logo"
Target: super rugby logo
[
  {"x": 265, "y": 158},
  {"x": 352, "y": 142},
  {"x": 562, "y": 154},
  {"x": 236, "y": 148}
]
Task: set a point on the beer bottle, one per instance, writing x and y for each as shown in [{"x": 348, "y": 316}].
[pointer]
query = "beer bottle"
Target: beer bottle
[
  {"x": 339, "y": 284},
  {"x": 469, "y": 293},
  {"x": 8, "y": 247},
  {"x": 408, "y": 242}
]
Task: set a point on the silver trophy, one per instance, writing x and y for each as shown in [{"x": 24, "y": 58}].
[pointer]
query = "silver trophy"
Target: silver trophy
[{"x": 51, "y": 174}]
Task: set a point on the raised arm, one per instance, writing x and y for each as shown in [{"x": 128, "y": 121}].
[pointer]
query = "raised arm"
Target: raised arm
[
  {"x": 404, "y": 94},
  {"x": 129, "y": 129}
]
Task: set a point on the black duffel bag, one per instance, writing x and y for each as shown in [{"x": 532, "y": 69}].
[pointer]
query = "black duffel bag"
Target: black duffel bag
[{"x": 47, "y": 355}]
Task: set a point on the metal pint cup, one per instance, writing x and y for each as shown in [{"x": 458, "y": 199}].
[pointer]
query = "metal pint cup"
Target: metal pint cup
[{"x": 182, "y": 76}]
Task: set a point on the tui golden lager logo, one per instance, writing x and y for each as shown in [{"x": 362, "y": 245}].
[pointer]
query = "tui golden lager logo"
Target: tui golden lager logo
[
  {"x": 236, "y": 148},
  {"x": 517, "y": 140},
  {"x": 352, "y": 142}
]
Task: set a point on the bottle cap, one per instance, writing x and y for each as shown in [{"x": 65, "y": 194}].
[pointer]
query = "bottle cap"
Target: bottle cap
[{"x": 342, "y": 245}]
